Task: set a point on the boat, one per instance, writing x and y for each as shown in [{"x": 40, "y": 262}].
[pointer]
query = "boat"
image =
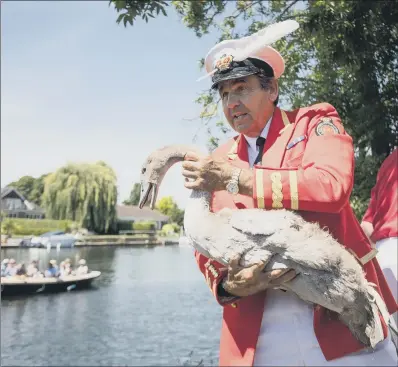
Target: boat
[
  {"x": 54, "y": 239},
  {"x": 12, "y": 286}
]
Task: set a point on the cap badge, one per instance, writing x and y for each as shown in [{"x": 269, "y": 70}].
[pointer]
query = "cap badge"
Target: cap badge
[{"x": 224, "y": 62}]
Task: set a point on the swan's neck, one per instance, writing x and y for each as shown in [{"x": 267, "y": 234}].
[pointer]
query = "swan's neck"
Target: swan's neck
[
  {"x": 199, "y": 201},
  {"x": 197, "y": 215}
]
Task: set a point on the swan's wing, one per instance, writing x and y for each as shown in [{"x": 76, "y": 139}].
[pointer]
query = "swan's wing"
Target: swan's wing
[{"x": 261, "y": 222}]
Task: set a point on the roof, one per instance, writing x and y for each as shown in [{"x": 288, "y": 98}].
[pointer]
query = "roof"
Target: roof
[
  {"x": 5, "y": 191},
  {"x": 131, "y": 212}
]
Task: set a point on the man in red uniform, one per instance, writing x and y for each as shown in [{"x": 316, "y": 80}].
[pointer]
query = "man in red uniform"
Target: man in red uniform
[
  {"x": 380, "y": 221},
  {"x": 300, "y": 160}
]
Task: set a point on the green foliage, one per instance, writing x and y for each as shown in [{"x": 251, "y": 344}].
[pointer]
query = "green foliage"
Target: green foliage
[
  {"x": 134, "y": 198},
  {"x": 170, "y": 228},
  {"x": 9, "y": 227},
  {"x": 167, "y": 206},
  {"x": 144, "y": 225},
  {"x": 25, "y": 227},
  {"x": 365, "y": 178},
  {"x": 124, "y": 225},
  {"x": 131, "y": 9},
  {"x": 30, "y": 187},
  {"x": 83, "y": 193}
]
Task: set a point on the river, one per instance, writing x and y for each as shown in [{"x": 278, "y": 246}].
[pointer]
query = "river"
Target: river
[{"x": 151, "y": 306}]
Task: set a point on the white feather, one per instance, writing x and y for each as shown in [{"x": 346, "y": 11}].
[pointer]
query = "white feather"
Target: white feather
[{"x": 266, "y": 37}]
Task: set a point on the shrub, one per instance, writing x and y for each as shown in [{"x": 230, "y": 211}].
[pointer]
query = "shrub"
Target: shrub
[
  {"x": 124, "y": 225},
  {"x": 35, "y": 227},
  {"x": 149, "y": 225},
  {"x": 170, "y": 228}
]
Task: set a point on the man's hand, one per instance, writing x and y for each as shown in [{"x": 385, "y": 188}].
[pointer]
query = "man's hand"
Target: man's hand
[
  {"x": 205, "y": 172},
  {"x": 243, "y": 282}
]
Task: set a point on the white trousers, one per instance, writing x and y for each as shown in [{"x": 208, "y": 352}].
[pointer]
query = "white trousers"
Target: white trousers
[
  {"x": 387, "y": 258},
  {"x": 287, "y": 338}
]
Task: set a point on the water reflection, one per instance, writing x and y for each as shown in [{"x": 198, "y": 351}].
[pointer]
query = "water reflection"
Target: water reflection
[{"x": 149, "y": 307}]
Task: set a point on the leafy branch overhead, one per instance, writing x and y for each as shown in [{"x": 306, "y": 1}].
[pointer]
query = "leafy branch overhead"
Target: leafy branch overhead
[
  {"x": 344, "y": 53},
  {"x": 131, "y": 9}
]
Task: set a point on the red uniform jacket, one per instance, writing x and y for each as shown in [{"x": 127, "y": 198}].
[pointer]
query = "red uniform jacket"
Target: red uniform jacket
[
  {"x": 307, "y": 165},
  {"x": 383, "y": 207}
]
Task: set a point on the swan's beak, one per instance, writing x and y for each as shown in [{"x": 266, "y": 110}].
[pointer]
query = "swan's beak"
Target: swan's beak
[{"x": 146, "y": 191}]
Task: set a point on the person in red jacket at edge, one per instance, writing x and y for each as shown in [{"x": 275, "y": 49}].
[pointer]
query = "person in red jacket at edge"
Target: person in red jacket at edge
[
  {"x": 301, "y": 160},
  {"x": 380, "y": 221}
]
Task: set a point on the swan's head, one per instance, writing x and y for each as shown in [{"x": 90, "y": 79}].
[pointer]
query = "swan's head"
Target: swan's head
[{"x": 155, "y": 168}]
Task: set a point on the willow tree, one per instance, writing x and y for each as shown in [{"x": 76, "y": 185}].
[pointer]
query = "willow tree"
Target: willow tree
[{"x": 83, "y": 193}]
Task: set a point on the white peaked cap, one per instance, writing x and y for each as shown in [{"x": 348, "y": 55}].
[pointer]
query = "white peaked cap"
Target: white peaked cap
[{"x": 255, "y": 46}]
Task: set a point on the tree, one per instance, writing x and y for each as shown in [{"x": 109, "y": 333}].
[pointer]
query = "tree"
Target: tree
[
  {"x": 345, "y": 53},
  {"x": 83, "y": 193},
  {"x": 167, "y": 206},
  {"x": 135, "y": 194},
  {"x": 138, "y": 8},
  {"x": 30, "y": 187},
  {"x": 9, "y": 227}
]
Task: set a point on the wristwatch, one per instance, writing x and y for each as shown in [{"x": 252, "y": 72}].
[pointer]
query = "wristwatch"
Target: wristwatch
[{"x": 233, "y": 184}]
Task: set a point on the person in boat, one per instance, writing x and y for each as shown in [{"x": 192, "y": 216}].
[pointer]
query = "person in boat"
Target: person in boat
[
  {"x": 52, "y": 270},
  {"x": 62, "y": 269},
  {"x": 68, "y": 267},
  {"x": 4, "y": 265},
  {"x": 33, "y": 270},
  {"x": 11, "y": 269},
  {"x": 82, "y": 268},
  {"x": 298, "y": 160},
  {"x": 21, "y": 270}
]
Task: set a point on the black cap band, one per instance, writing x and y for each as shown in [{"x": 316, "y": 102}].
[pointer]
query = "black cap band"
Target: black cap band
[{"x": 239, "y": 69}]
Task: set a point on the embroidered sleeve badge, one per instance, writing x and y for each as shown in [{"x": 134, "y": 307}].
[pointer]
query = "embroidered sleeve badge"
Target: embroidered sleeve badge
[{"x": 326, "y": 127}]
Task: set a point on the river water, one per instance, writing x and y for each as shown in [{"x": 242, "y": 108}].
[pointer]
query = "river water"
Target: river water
[{"x": 151, "y": 306}]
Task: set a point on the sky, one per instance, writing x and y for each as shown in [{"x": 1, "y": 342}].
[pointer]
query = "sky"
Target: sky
[{"x": 78, "y": 87}]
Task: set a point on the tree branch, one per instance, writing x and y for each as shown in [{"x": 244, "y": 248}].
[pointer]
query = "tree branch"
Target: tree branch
[
  {"x": 279, "y": 17},
  {"x": 250, "y": 5}
]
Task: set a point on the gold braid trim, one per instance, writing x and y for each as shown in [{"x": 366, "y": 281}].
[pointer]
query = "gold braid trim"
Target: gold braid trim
[
  {"x": 285, "y": 119},
  {"x": 260, "y": 189},
  {"x": 293, "y": 190},
  {"x": 277, "y": 195}
]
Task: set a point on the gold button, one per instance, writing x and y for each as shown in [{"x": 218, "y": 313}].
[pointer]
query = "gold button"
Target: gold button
[{"x": 234, "y": 305}]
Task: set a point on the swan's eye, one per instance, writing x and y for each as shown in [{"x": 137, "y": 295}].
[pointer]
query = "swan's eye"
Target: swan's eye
[{"x": 143, "y": 170}]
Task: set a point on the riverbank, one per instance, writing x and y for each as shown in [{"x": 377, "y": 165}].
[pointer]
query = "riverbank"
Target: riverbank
[
  {"x": 105, "y": 240},
  {"x": 122, "y": 240}
]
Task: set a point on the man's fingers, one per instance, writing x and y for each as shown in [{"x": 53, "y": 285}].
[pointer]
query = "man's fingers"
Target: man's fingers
[
  {"x": 258, "y": 268},
  {"x": 275, "y": 274},
  {"x": 192, "y": 185},
  {"x": 189, "y": 174},
  {"x": 190, "y": 166},
  {"x": 287, "y": 277},
  {"x": 233, "y": 267},
  {"x": 191, "y": 156},
  {"x": 234, "y": 262}
]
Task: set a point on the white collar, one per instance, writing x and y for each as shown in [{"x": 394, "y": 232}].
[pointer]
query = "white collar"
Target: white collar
[{"x": 264, "y": 134}]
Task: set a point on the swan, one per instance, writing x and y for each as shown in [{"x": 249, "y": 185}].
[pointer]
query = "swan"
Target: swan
[{"x": 328, "y": 274}]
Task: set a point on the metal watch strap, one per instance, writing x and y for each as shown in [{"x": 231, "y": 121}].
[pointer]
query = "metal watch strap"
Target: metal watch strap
[{"x": 233, "y": 184}]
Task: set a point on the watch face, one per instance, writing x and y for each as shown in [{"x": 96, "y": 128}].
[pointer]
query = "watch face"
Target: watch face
[{"x": 233, "y": 188}]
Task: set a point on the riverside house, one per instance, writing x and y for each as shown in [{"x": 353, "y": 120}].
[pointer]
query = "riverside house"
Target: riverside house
[
  {"x": 14, "y": 205},
  {"x": 131, "y": 213}
]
